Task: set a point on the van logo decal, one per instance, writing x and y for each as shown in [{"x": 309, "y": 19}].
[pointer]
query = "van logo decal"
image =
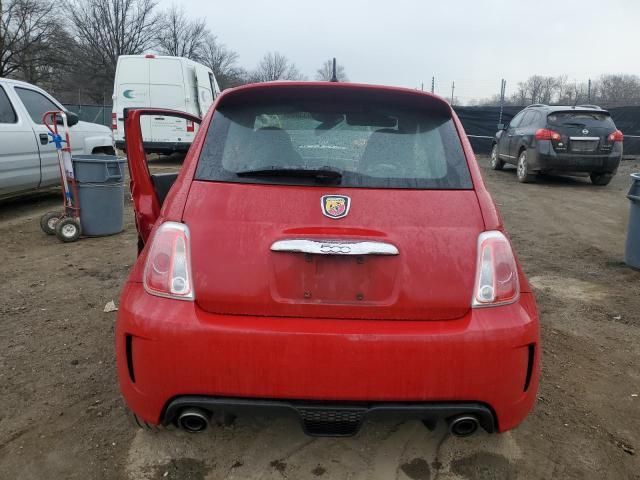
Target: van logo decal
[
  {"x": 335, "y": 206},
  {"x": 128, "y": 94}
]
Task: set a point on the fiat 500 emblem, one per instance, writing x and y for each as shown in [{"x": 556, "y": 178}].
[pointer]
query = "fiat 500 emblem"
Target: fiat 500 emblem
[
  {"x": 585, "y": 132},
  {"x": 335, "y": 206}
]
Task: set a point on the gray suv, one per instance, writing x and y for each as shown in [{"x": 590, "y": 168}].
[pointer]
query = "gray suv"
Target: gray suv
[{"x": 559, "y": 139}]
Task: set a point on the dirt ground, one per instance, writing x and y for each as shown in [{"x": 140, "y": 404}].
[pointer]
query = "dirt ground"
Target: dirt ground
[{"x": 61, "y": 416}]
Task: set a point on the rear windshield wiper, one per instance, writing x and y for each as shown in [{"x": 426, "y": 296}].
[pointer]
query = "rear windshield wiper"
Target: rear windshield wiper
[{"x": 320, "y": 173}]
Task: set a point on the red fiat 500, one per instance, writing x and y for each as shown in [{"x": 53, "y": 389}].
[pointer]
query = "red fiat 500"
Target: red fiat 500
[{"x": 328, "y": 250}]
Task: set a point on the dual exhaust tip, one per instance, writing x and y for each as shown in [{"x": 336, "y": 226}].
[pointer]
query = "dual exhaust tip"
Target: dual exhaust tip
[
  {"x": 194, "y": 420},
  {"x": 463, "y": 425}
]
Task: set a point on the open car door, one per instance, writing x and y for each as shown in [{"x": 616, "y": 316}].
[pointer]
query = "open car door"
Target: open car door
[{"x": 148, "y": 190}]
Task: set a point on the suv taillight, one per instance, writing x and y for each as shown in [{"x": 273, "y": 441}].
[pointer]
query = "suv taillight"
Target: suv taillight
[
  {"x": 167, "y": 272},
  {"x": 190, "y": 126},
  {"x": 496, "y": 272},
  {"x": 545, "y": 134},
  {"x": 616, "y": 136},
  {"x": 114, "y": 121}
]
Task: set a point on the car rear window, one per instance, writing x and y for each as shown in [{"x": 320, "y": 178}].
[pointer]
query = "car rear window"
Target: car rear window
[
  {"x": 586, "y": 119},
  {"x": 370, "y": 145}
]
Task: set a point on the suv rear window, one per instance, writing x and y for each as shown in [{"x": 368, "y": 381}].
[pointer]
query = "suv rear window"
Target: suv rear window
[
  {"x": 583, "y": 119},
  {"x": 368, "y": 144}
]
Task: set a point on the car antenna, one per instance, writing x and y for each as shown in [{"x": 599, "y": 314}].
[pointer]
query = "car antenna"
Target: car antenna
[{"x": 334, "y": 76}]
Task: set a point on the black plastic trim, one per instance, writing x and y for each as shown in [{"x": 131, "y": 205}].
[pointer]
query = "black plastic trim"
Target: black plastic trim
[
  {"x": 425, "y": 411},
  {"x": 530, "y": 360},
  {"x": 129, "y": 352}
]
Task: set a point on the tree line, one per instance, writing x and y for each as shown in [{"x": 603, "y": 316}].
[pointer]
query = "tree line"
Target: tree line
[
  {"x": 72, "y": 51},
  {"x": 612, "y": 90}
]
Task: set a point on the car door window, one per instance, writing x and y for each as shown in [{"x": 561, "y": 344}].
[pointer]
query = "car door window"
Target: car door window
[
  {"x": 516, "y": 120},
  {"x": 526, "y": 119},
  {"x": 35, "y": 103},
  {"x": 7, "y": 113},
  {"x": 535, "y": 119}
]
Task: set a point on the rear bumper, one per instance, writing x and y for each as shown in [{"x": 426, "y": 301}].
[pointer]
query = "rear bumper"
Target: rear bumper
[
  {"x": 333, "y": 418},
  {"x": 159, "y": 147},
  {"x": 545, "y": 158},
  {"x": 168, "y": 349}
]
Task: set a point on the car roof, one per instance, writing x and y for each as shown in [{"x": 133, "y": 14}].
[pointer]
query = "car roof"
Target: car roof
[
  {"x": 341, "y": 91},
  {"x": 18, "y": 82}
]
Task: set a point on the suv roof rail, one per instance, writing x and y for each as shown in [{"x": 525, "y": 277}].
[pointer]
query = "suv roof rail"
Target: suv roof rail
[
  {"x": 537, "y": 105},
  {"x": 590, "y": 106}
]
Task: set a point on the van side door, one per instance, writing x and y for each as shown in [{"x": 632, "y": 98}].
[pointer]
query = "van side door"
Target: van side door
[
  {"x": 19, "y": 158},
  {"x": 205, "y": 89},
  {"x": 168, "y": 90}
]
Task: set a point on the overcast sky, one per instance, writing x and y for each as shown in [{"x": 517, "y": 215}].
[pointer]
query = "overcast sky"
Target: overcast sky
[{"x": 404, "y": 42}]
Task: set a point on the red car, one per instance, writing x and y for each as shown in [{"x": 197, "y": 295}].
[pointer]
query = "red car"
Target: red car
[{"x": 329, "y": 251}]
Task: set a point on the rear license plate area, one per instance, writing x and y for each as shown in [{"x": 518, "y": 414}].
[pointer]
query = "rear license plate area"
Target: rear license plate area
[
  {"x": 584, "y": 146},
  {"x": 334, "y": 279}
]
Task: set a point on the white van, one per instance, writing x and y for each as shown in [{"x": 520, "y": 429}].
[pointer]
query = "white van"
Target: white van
[{"x": 155, "y": 81}]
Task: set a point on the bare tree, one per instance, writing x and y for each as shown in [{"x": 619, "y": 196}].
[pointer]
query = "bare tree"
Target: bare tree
[
  {"x": 325, "y": 72},
  {"x": 617, "y": 90},
  {"x": 28, "y": 32},
  {"x": 106, "y": 29},
  {"x": 275, "y": 66},
  {"x": 181, "y": 37},
  {"x": 223, "y": 62}
]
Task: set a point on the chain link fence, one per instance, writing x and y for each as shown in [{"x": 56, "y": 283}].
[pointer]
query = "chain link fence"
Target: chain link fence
[{"x": 91, "y": 113}]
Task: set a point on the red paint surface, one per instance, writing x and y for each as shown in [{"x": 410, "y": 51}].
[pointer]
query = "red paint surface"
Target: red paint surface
[
  {"x": 412, "y": 336},
  {"x": 180, "y": 349}
]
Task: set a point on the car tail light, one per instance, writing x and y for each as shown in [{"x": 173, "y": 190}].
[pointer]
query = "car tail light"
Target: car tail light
[
  {"x": 545, "y": 134},
  {"x": 114, "y": 121},
  {"x": 190, "y": 126},
  {"x": 496, "y": 272},
  {"x": 616, "y": 136},
  {"x": 167, "y": 272}
]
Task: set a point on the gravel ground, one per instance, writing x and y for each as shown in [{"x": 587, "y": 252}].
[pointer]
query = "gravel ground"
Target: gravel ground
[{"x": 61, "y": 415}]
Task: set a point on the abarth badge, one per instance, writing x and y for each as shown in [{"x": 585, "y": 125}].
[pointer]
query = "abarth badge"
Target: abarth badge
[{"x": 335, "y": 206}]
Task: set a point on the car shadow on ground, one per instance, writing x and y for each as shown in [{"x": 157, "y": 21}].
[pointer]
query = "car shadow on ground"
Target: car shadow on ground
[
  {"x": 15, "y": 207},
  {"x": 269, "y": 448},
  {"x": 552, "y": 179}
]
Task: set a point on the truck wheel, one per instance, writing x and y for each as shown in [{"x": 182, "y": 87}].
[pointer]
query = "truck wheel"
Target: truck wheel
[
  {"x": 48, "y": 222},
  {"x": 496, "y": 163},
  {"x": 524, "y": 175},
  {"x": 68, "y": 230},
  {"x": 601, "y": 179}
]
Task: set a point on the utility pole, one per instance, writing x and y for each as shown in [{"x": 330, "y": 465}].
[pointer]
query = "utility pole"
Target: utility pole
[
  {"x": 503, "y": 87},
  {"x": 453, "y": 87},
  {"x": 433, "y": 84},
  {"x": 334, "y": 76},
  {"x": 589, "y": 92},
  {"x": 422, "y": 86}
]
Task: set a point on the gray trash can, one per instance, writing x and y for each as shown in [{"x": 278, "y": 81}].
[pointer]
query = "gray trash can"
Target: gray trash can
[
  {"x": 100, "y": 180},
  {"x": 632, "y": 251}
]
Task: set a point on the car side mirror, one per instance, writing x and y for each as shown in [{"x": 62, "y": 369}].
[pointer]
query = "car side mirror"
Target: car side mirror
[
  {"x": 72, "y": 119},
  {"x": 502, "y": 126}
]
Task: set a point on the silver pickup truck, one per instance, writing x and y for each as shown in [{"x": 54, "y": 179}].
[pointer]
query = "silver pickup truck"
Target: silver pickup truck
[{"x": 28, "y": 162}]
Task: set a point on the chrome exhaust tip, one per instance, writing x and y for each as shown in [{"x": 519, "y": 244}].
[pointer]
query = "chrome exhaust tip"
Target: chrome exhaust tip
[
  {"x": 463, "y": 425},
  {"x": 193, "y": 420}
]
